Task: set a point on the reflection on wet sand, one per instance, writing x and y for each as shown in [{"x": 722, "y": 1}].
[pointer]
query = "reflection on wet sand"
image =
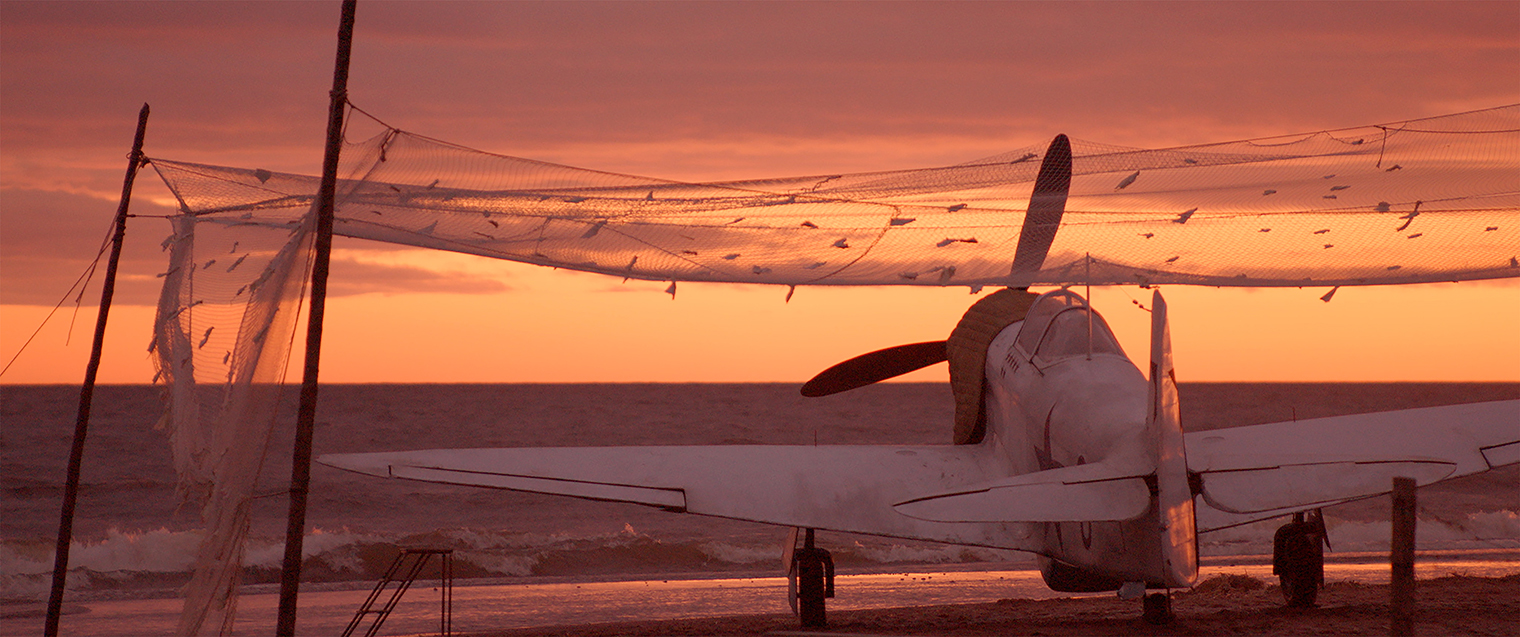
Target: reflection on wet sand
[{"x": 507, "y": 606}]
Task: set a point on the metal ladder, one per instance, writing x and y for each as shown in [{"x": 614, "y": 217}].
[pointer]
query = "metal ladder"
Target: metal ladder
[{"x": 411, "y": 561}]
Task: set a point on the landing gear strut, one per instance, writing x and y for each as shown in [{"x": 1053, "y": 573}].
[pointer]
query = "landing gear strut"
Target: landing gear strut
[
  {"x": 815, "y": 582},
  {"x": 1298, "y": 558}
]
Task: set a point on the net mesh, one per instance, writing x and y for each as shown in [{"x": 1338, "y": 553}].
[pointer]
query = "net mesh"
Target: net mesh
[
  {"x": 1425, "y": 200},
  {"x": 225, "y": 321}
]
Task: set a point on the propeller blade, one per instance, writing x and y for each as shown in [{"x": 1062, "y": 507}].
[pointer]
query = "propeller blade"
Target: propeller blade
[
  {"x": 873, "y": 367},
  {"x": 1046, "y": 205}
]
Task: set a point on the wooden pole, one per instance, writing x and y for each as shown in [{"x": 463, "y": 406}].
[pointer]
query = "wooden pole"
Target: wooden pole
[
  {"x": 87, "y": 391},
  {"x": 300, "y": 470},
  {"x": 1401, "y": 586}
]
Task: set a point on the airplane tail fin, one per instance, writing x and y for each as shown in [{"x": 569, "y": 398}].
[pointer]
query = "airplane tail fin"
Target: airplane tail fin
[{"x": 1174, "y": 498}]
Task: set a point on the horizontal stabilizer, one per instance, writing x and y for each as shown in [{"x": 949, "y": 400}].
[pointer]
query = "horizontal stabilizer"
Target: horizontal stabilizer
[{"x": 1086, "y": 493}]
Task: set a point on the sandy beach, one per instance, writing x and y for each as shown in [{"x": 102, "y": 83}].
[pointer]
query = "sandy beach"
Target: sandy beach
[{"x": 1226, "y": 604}]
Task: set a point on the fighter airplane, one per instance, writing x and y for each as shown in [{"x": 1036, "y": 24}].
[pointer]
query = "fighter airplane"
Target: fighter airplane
[
  {"x": 1064, "y": 448},
  {"x": 1080, "y": 459}
]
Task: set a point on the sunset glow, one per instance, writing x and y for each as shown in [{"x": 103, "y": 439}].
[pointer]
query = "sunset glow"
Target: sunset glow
[{"x": 717, "y": 91}]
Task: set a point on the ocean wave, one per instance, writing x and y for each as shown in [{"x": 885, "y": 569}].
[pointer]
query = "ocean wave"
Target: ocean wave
[
  {"x": 159, "y": 561},
  {"x": 158, "y": 551},
  {"x": 747, "y": 554}
]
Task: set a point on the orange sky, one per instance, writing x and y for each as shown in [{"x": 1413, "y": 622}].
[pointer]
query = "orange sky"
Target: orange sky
[{"x": 697, "y": 91}]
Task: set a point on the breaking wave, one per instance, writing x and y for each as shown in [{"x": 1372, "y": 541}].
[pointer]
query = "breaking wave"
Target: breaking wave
[{"x": 157, "y": 562}]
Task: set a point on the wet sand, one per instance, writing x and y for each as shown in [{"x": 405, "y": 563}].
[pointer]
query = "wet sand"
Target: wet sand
[{"x": 1227, "y": 604}]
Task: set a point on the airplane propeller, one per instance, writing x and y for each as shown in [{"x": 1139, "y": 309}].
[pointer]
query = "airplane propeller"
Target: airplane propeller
[
  {"x": 874, "y": 367},
  {"x": 1046, "y": 206}
]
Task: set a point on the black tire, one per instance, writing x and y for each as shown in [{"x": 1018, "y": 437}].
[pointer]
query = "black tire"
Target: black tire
[
  {"x": 813, "y": 612},
  {"x": 1300, "y": 588},
  {"x": 812, "y": 588},
  {"x": 1299, "y": 564},
  {"x": 1158, "y": 609}
]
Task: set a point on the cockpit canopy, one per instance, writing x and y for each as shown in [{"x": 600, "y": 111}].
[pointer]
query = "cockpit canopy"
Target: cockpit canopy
[{"x": 1060, "y": 325}]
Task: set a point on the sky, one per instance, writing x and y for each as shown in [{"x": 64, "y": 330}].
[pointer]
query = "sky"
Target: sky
[{"x": 701, "y": 91}]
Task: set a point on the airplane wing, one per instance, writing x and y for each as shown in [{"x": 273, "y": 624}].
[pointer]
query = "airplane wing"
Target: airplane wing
[
  {"x": 1246, "y": 474},
  {"x": 1084, "y": 493},
  {"x": 1263, "y": 471},
  {"x": 835, "y": 487}
]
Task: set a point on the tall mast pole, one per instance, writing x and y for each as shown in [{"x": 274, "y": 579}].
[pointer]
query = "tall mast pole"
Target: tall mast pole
[
  {"x": 300, "y": 470},
  {"x": 87, "y": 391}
]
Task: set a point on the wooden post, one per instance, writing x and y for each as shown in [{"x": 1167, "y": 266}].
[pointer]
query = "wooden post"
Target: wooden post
[
  {"x": 300, "y": 470},
  {"x": 87, "y": 391},
  {"x": 1401, "y": 586}
]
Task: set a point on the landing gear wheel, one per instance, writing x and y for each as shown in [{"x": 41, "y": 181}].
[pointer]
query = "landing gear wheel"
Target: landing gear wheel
[
  {"x": 1158, "y": 609},
  {"x": 1299, "y": 589},
  {"x": 812, "y": 609},
  {"x": 1299, "y": 561},
  {"x": 815, "y": 583}
]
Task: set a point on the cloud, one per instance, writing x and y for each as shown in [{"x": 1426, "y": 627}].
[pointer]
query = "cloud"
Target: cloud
[
  {"x": 245, "y": 83},
  {"x": 353, "y": 274},
  {"x": 47, "y": 239},
  {"x": 683, "y": 91},
  {"x": 535, "y": 74},
  {"x": 686, "y": 91}
]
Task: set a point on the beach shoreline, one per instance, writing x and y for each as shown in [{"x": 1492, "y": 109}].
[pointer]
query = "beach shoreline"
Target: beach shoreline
[
  {"x": 1225, "y": 604},
  {"x": 879, "y": 603}
]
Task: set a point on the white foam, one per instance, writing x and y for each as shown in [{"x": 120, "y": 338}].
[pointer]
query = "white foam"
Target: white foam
[
  {"x": 510, "y": 565},
  {"x": 160, "y": 551},
  {"x": 269, "y": 553},
  {"x": 736, "y": 554}
]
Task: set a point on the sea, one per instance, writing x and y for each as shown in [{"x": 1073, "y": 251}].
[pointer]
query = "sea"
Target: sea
[{"x": 530, "y": 560}]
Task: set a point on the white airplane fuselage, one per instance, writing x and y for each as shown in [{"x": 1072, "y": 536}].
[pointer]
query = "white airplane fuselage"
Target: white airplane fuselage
[{"x": 1063, "y": 398}]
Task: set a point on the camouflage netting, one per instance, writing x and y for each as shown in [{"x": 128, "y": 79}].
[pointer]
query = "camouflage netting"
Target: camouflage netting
[{"x": 1424, "y": 200}]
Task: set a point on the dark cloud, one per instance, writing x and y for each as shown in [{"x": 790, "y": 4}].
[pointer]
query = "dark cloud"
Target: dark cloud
[
  {"x": 48, "y": 239},
  {"x": 234, "y": 79},
  {"x": 350, "y": 276},
  {"x": 246, "y": 84},
  {"x": 570, "y": 71}
]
